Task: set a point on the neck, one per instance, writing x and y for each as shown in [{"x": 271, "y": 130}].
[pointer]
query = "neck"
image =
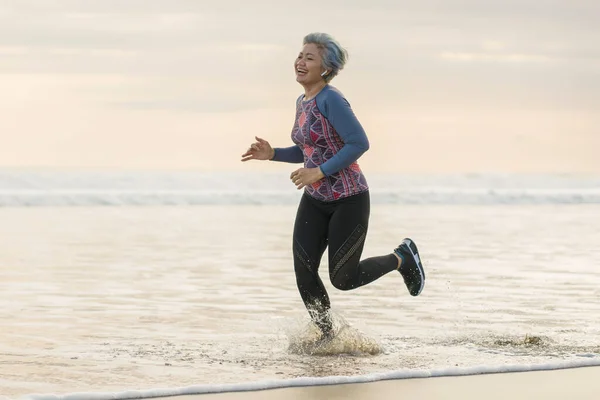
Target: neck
[{"x": 312, "y": 90}]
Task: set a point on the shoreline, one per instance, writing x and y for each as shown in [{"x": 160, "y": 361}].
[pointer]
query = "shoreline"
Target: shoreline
[{"x": 576, "y": 380}]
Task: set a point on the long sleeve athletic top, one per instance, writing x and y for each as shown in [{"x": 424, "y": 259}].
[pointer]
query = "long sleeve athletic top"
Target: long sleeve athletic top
[{"x": 328, "y": 135}]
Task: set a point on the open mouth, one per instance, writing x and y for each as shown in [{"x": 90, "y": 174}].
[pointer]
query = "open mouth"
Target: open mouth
[{"x": 301, "y": 71}]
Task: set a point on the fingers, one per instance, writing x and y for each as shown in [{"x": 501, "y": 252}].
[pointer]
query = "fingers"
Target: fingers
[
  {"x": 299, "y": 183},
  {"x": 251, "y": 152},
  {"x": 296, "y": 178},
  {"x": 248, "y": 156},
  {"x": 256, "y": 151}
]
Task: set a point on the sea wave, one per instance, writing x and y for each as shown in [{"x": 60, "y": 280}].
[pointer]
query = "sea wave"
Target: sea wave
[
  {"x": 62, "y": 198},
  {"x": 26, "y": 189}
]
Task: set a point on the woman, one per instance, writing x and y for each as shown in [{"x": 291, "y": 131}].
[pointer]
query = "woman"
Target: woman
[{"x": 335, "y": 206}]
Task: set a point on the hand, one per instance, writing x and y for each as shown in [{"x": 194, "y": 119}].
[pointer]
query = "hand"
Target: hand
[
  {"x": 306, "y": 176},
  {"x": 259, "y": 150}
]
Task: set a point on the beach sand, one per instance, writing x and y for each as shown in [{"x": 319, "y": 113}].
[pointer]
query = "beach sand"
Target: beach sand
[{"x": 574, "y": 383}]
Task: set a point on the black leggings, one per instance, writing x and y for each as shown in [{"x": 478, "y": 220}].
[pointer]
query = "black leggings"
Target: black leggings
[{"x": 341, "y": 225}]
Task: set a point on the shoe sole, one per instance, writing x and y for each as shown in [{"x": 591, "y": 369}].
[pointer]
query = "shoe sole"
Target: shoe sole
[{"x": 415, "y": 254}]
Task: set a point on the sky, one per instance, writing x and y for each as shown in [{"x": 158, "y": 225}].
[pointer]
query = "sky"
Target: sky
[{"x": 440, "y": 86}]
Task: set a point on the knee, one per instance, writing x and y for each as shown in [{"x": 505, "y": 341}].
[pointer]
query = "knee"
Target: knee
[{"x": 341, "y": 283}]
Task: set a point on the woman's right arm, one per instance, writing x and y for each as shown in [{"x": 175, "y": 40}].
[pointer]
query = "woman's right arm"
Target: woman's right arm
[
  {"x": 262, "y": 150},
  {"x": 292, "y": 154}
]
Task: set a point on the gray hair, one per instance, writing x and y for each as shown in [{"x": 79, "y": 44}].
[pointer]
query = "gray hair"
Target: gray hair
[{"x": 334, "y": 56}]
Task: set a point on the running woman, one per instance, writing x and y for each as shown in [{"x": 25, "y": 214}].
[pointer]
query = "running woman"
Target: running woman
[{"x": 335, "y": 205}]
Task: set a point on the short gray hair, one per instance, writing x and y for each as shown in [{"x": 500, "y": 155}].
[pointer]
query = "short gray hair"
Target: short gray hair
[{"x": 334, "y": 56}]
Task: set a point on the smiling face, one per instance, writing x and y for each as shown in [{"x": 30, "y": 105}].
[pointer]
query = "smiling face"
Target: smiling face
[{"x": 308, "y": 65}]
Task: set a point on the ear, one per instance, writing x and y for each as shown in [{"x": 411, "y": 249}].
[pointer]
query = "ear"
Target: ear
[{"x": 325, "y": 73}]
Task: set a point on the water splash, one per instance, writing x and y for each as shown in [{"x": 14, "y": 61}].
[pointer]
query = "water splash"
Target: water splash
[{"x": 305, "y": 339}]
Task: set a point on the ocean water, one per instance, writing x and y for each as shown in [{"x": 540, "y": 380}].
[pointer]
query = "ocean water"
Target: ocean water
[{"x": 119, "y": 282}]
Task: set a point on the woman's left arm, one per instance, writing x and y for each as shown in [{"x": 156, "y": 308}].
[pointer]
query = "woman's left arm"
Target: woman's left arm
[{"x": 339, "y": 113}]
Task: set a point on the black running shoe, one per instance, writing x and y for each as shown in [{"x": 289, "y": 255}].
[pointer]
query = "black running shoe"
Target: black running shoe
[{"x": 411, "y": 268}]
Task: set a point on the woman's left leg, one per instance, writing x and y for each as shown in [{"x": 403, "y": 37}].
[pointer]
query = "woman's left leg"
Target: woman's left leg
[{"x": 347, "y": 233}]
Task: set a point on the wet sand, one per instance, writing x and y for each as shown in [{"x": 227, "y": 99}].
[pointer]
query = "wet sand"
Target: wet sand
[{"x": 574, "y": 383}]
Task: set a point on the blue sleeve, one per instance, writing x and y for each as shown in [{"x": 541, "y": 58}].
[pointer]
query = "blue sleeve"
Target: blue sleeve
[
  {"x": 338, "y": 112},
  {"x": 291, "y": 154}
]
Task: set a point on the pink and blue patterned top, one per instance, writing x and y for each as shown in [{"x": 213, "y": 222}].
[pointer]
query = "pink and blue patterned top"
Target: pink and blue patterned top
[{"x": 328, "y": 135}]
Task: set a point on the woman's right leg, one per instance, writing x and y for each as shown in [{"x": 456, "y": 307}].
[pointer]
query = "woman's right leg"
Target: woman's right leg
[{"x": 309, "y": 244}]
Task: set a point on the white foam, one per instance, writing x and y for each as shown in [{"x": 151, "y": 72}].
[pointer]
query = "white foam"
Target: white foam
[
  {"x": 320, "y": 381},
  {"x": 304, "y": 338}
]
